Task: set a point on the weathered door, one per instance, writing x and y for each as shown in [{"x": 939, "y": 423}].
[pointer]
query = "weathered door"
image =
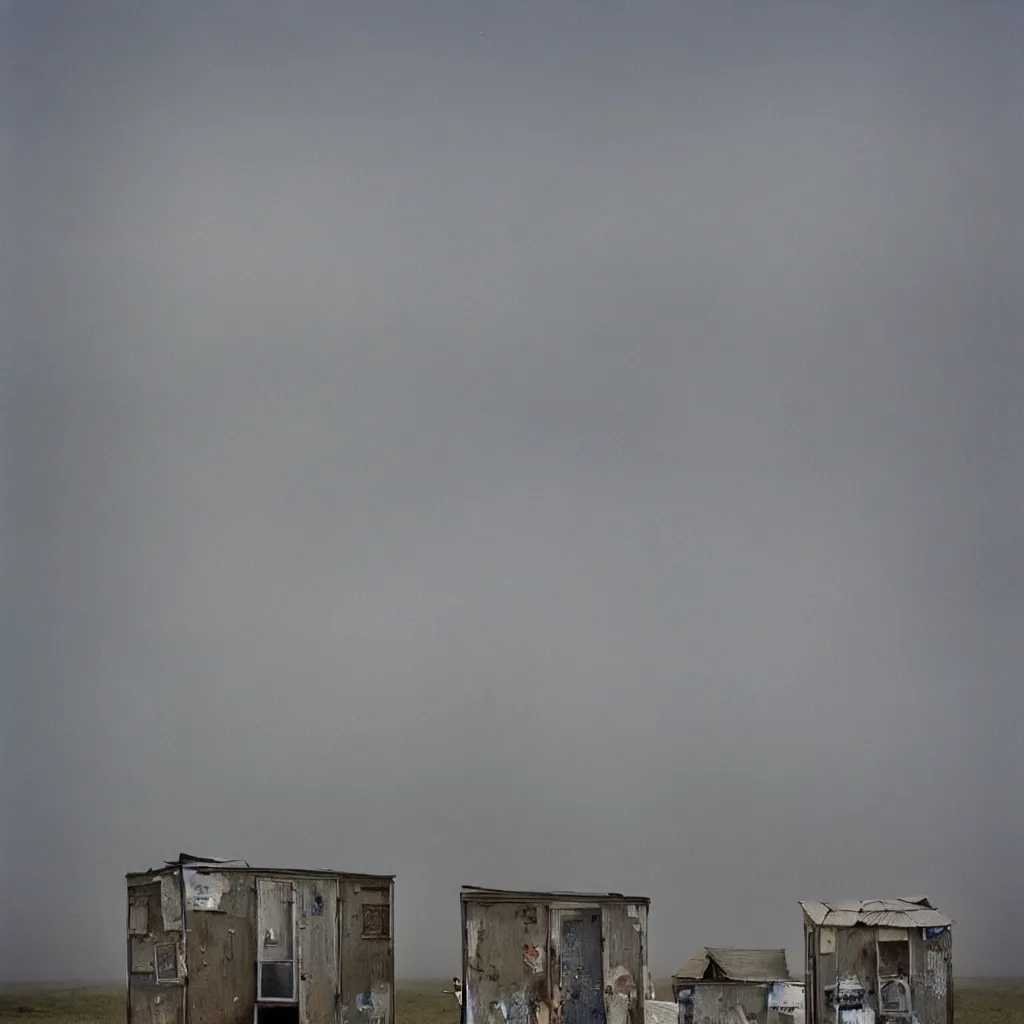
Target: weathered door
[
  {"x": 319, "y": 986},
  {"x": 276, "y": 981},
  {"x": 581, "y": 974}
]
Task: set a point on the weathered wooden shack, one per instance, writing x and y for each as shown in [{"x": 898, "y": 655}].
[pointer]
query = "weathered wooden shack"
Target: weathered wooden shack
[
  {"x": 878, "y": 962},
  {"x": 721, "y": 985},
  {"x": 546, "y": 957},
  {"x": 221, "y": 942}
]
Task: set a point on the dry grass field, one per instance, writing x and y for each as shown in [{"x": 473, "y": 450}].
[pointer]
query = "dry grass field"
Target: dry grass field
[{"x": 422, "y": 1002}]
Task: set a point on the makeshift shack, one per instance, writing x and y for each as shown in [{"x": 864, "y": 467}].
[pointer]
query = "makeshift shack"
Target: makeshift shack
[
  {"x": 738, "y": 986},
  {"x": 878, "y": 962},
  {"x": 537, "y": 957},
  {"x": 221, "y": 942}
]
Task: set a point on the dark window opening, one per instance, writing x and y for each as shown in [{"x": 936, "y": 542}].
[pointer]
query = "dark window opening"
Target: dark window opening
[
  {"x": 894, "y": 959},
  {"x": 684, "y": 998},
  {"x": 277, "y": 1014},
  {"x": 277, "y": 980}
]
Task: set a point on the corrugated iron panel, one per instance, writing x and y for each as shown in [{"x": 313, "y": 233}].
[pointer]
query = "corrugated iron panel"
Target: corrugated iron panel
[
  {"x": 877, "y": 913},
  {"x": 842, "y": 918},
  {"x": 845, "y": 904}
]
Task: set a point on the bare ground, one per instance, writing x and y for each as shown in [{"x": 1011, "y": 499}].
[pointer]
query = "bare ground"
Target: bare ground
[{"x": 978, "y": 1001}]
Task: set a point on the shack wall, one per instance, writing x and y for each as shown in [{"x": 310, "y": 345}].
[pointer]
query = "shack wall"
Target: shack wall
[
  {"x": 506, "y": 954},
  {"x": 512, "y": 960},
  {"x": 154, "y": 926},
  {"x": 730, "y": 1002},
  {"x": 847, "y": 976},
  {"x": 220, "y": 946},
  {"x": 624, "y": 931},
  {"x": 209, "y": 914},
  {"x": 367, "y": 951}
]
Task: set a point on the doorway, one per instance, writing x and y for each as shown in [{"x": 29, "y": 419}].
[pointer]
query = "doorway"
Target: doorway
[{"x": 581, "y": 970}]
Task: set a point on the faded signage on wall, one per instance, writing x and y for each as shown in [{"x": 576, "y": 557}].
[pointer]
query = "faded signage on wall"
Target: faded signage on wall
[{"x": 204, "y": 891}]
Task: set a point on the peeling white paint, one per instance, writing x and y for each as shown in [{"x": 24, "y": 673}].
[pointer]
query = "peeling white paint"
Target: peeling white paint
[
  {"x": 616, "y": 1008},
  {"x": 170, "y": 903},
  {"x": 935, "y": 965},
  {"x": 865, "y": 1015},
  {"x": 533, "y": 958},
  {"x": 620, "y": 979},
  {"x": 784, "y": 996},
  {"x": 659, "y": 1012},
  {"x": 203, "y": 891},
  {"x": 380, "y": 999}
]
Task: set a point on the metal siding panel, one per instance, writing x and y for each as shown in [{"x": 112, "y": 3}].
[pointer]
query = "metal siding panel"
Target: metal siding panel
[{"x": 931, "y": 982}]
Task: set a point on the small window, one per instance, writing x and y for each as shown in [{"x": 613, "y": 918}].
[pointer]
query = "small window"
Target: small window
[
  {"x": 376, "y": 921},
  {"x": 166, "y": 955},
  {"x": 277, "y": 981},
  {"x": 138, "y": 916},
  {"x": 894, "y": 959}
]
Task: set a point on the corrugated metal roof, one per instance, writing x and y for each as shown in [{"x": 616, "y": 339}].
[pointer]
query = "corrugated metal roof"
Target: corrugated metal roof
[
  {"x": 916, "y": 912},
  {"x": 737, "y": 964},
  {"x": 471, "y": 893}
]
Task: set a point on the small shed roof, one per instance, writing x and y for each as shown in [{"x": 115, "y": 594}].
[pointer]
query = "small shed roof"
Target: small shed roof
[
  {"x": 474, "y": 893},
  {"x": 694, "y": 968},
  {"x": 737, "y": 964},
  {"x": 911, "y": 912}
]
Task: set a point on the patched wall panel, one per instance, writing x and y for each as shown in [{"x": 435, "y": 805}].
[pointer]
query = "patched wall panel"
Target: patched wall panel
[
  {"x": 367, "y": 953},
  {"x": 318, "y": 950},
  {"x": 222, "y": 951}
]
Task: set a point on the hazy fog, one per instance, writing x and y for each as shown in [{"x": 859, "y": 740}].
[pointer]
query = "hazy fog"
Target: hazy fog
[{"x": 520, "y": 444}]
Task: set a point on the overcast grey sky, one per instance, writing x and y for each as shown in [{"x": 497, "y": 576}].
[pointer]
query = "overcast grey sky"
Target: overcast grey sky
[{"x": 520, "y": 444}]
